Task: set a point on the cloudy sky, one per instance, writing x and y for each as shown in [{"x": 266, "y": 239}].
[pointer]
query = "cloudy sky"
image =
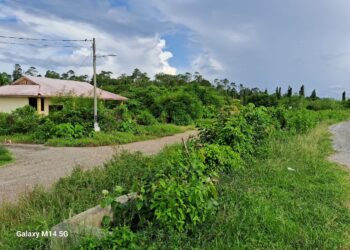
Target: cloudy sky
[{"x": 254, "y": 42}]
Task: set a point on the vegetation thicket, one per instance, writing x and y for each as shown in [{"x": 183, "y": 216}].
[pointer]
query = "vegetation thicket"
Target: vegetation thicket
[
  {"x": 5, "y": 156},
  {"x": 257, "y": 176},
  {"x": 256, "y": 164}
]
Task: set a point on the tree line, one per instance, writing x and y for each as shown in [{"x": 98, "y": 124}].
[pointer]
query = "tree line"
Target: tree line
[
  {"x": 18, "y": 72},
  {"x": 138, "y": 78}
]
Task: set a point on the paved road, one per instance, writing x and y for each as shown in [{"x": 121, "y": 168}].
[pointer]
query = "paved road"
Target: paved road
[
  {"x": 341, "y": 143},
  {"x": 42, "y": 165}
]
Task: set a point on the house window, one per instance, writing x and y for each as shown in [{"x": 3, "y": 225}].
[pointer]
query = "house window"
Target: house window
[
  {"x": 55, "y": 108},
  {"x": 33, "y": 102}
]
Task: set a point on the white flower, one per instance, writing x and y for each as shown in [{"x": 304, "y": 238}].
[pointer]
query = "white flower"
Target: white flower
[{"x": 105, "y": 192}]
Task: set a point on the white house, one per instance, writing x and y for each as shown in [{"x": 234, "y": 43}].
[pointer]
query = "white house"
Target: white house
[{"x": 38, "y": 92}]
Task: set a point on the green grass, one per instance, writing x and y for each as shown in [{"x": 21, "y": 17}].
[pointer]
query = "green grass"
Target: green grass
[
  {"x": 5, "y": 156},
  {"x": 263, "y": 206},
  {"x": 42, "y": 209},
  {"x": 113, "y": 138},
  {"x": 18, "y": 138},
  {"x": 103, "y": 138},
  {"x": 267, "y": 206}
]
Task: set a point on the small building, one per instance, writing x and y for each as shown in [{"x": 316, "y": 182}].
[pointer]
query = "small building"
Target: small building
[{"x": 39, "y": 91}]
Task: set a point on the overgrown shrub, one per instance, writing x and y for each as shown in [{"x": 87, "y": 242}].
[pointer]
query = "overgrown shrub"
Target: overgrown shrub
[
  {"x": 178, "y": 194},
  {"x": 146, "y": 118},
  {"x": 180, "y": 108},
  {"x": 300, "y": 121},
  {"x": 22, "y": 120},
  {"x": 232, "y": 130},
  {"x": 45, "y": 130},
  {"x": 126, "y": 126},
  {"x": 118, "y": 238},
  {"x": 5, "y": 155},
  {"x": 323, "y": 104},
  {"x": 76, "y": 110},
  {"x": 4, "y": 126},
  {"x": 220, "y": 158},
  {"x": 108, "y": 119},
  {"x": 261, "y": 121},
  {"x": 68, "y": 130}
]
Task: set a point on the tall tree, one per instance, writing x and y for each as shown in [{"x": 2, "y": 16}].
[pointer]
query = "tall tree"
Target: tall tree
[
  {"x": 104, "y": 78},
  {"x": 313, "y": 95},
  {"x": 69, "y": 75},
  {"x": 4, "y": 78},
  {"x": 17, "y": 72},
  {"x": 289, "y": 91},
  {"x": 302, "y": 91},
  {"x": 139, "y": 78},
  {"x": 279, "y": 93},
  {"x": 32, "y": 71},
  {"x": 52, "y": 74},
  {"x": 343, "y": 97}
]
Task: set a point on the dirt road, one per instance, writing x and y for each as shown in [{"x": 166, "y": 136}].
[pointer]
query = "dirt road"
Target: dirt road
[
  {"x": 41, "y": 165},
  {"x": 341, "y": 143}
]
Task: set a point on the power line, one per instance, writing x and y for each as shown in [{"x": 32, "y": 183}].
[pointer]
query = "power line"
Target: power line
[
  {"x": 45, "y": 39},
  {"x": 86, "y": 57},
  {"x": 43, "y": 45}
]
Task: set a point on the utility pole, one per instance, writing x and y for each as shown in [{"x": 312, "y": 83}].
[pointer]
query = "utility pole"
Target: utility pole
[{"x": 96, "y": 126}]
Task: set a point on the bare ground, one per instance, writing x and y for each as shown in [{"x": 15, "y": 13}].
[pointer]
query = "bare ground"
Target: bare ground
[
  {"x": 42, "y": 165},
  {"x": 341, "y": 143}
]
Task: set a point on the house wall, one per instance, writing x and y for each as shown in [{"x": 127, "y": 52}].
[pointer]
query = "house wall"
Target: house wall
[
  {"x": 47, "y": 102},
  {"x": 9, "y": 104}
]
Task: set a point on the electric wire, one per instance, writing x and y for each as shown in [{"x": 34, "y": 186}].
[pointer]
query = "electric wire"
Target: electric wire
[
  {"x": 45, "y": 39},
  {"x": 43, "y": 45}
]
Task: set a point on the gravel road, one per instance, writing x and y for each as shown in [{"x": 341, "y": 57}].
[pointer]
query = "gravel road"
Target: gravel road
[
  {"x": 341, "y": 143},
  {"x": 42, "y": 165}
]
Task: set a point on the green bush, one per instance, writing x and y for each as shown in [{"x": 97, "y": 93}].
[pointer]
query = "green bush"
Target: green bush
[
  {"x": 279, "y": 114},
  {"x": 45, "y": 130},
  {"x": 108, "y": 119},
  {"x": 232, "y": 130},
  {"x": 4, "y": 126},
  {"x": 300, "y": 121},
  {"x": 126, "y": 126},
  {"x": 117, "y": 238},
  {"x": 179, "y": 195},
  {"x": 76, "y": 110},
  {"x": 179, "y": 108},
  {"x": 123, "y": 113},
  {"x": 221, "y": 159},
  {"x": 323, "y": 104},
  {"x": 68, "y": 130},
  {"x": 146, "y": 118},
  {"x": 261, "y": 121},
  {"x": 22, "y": 120},
  {"x": 5, "y": 156}
]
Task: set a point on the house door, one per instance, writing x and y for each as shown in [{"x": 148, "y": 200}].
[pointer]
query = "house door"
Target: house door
[{"x": 33, "y": 101}]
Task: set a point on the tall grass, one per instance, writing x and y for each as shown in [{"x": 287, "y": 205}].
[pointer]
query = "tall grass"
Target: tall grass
[
  {"x": 41, "y": 209},
  {"x": 5, "y": 156},
  {"x": 293, "y": 199},
  {"x": 102, "y": 138}
]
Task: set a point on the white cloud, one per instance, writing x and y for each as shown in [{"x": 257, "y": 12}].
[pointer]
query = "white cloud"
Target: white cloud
[
  {"x": 144, "y": 51},
  {"x": 207, "y": 65},
  {"x": 268, "y": 43}
]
